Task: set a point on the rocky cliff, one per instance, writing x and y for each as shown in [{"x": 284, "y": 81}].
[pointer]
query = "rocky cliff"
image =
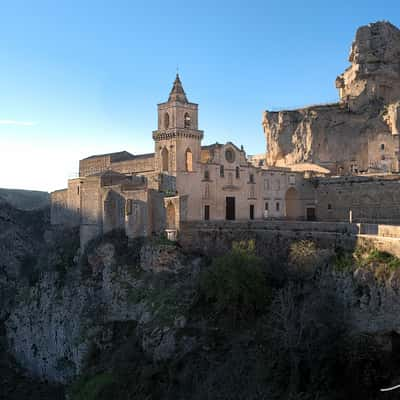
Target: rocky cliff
[
  {"x": 76, "y": 307},
  {"x": 360, "y": 133},
  {"x": 145, "y": 319}
]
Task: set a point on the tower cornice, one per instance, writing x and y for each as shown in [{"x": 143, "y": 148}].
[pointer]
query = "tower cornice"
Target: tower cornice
[{"x": 167, "y": 134}]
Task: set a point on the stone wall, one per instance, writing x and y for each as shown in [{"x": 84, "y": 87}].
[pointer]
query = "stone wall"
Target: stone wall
[
  {"x": 140, "y": 164},
  {"x": 93, "y": 165},
  {"x": 273, "y": 238},
  {"x": 371, "y": 199},
  {"x": 60, "y": 212}
]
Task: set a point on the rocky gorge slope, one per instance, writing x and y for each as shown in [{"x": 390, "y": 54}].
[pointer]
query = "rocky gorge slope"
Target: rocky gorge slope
[
  {"x": 25, "y": 199},
  {"x": 360, "y": 133},
  {"x": 145, "y": 319}
]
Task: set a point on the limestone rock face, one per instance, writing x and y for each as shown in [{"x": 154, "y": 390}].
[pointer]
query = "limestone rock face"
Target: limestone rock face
[
  {"x": 375, "y": 66},
  {"x": 57, "y": 323},
  {"x": 361, "y": 132}
]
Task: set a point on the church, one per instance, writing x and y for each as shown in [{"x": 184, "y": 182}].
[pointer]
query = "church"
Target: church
[{"x": 182, "y": 180}]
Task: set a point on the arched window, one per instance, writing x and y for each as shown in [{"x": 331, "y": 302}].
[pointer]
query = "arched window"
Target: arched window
[
  {"x": 187, "y": 120},
  {"x": 207, "y": 191},
  {"x": 221, "y": 171},
  {"x": 166, "y": 120},
  {"x": 164, "y": 159},
  {"x": 237, "y": 172},
  {"x": 189, "y": 160},
  {"x": 251, "y": 178}
]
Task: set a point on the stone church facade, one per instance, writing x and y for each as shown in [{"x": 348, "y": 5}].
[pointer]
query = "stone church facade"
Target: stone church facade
[
  {"x": 182, "y": 180},
  {"x": 335, "y": 163}
]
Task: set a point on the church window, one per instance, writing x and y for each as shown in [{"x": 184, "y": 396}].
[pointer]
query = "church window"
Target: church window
[
  {"x": 166, "y": 120},
  {"x": 251, "y": 178},
  {"x": 187, "y": 120},
  {"x": 129, "y": 207},
  {"x": 221, "y": 171},
  {"x": 237, "y": 172},
  {"x": 164, "y": 159},
  {"x": 229, "y": 155},
  {"x": 277, "y": 206},
  {"x": 251, "y": 211},
  {"x": 329, "y": 206},
  {"x": 207, "y": 191},
  {"x": 252, "y": 192},
  {"x": 189, "y": 160},
  {"x": 266, "y": 206},
  {"x": 206, "y": 174},
  {"x": 206, "y": 212},
  {"x": 230, "y": 178},
  {"x": 383, "y": 146}
]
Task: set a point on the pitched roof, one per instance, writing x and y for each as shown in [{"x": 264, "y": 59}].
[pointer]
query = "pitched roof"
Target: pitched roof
[{"x": 177, "y": 93}]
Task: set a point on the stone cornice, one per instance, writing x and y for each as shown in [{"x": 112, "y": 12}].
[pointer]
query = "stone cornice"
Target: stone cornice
[{"x": 177, "y": 133}]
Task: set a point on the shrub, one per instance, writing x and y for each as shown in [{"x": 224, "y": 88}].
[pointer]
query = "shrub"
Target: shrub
[
  {"x": 235, "y": 284},
  {"x": 305, "y": 257},
  {"x": 93, "y": 388},
  {"x": 383, "y": 263},
  {"x": 344, "y": 261}
]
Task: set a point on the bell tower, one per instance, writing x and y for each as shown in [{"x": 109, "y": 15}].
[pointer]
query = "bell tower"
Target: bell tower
[{"x": 177, "y": 141}]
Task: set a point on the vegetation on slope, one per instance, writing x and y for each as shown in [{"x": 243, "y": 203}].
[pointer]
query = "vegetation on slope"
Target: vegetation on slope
[
  {"x": 255, "y": 328},
  {"x": 25, "y": 199},
  {"x": 256, "y": 338}
]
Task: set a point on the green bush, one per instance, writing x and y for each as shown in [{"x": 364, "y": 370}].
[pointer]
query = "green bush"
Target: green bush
[
  {"x": 93, "y": 388},
  {"x": 235, "y": 284},
  {"x": 305, "y": 257},
  {"x": 344, "y": 261},
  {"x": 383, "y": 264}
]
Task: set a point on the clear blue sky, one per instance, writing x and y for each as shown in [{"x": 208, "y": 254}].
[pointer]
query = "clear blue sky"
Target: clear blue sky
[{"x": 84, "y": 77}]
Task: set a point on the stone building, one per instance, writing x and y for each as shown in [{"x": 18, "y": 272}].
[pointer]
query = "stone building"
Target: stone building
[
  {"x": 337, "y": 162},
  {"x": 181, "y": 181},
  {"x": 371, "y": 199}
]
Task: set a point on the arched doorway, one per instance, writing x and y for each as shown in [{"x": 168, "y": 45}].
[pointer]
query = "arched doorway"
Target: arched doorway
[
  {"x": 164, "y": 159},
  {"x": 294, "y": 208},
  {"x": 171, "y": 222}
]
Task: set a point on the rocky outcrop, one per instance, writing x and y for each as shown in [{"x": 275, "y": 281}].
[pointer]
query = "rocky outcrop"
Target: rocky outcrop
[
  {"x": 57, "y": 323},
  {"x": 21, "y": 238},
  {"x": 375, "y": 66},
  {"x": 360, "y": 133}
]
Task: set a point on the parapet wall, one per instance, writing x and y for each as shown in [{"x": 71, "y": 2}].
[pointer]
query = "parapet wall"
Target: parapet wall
[{"x": 273, "y": 238}]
